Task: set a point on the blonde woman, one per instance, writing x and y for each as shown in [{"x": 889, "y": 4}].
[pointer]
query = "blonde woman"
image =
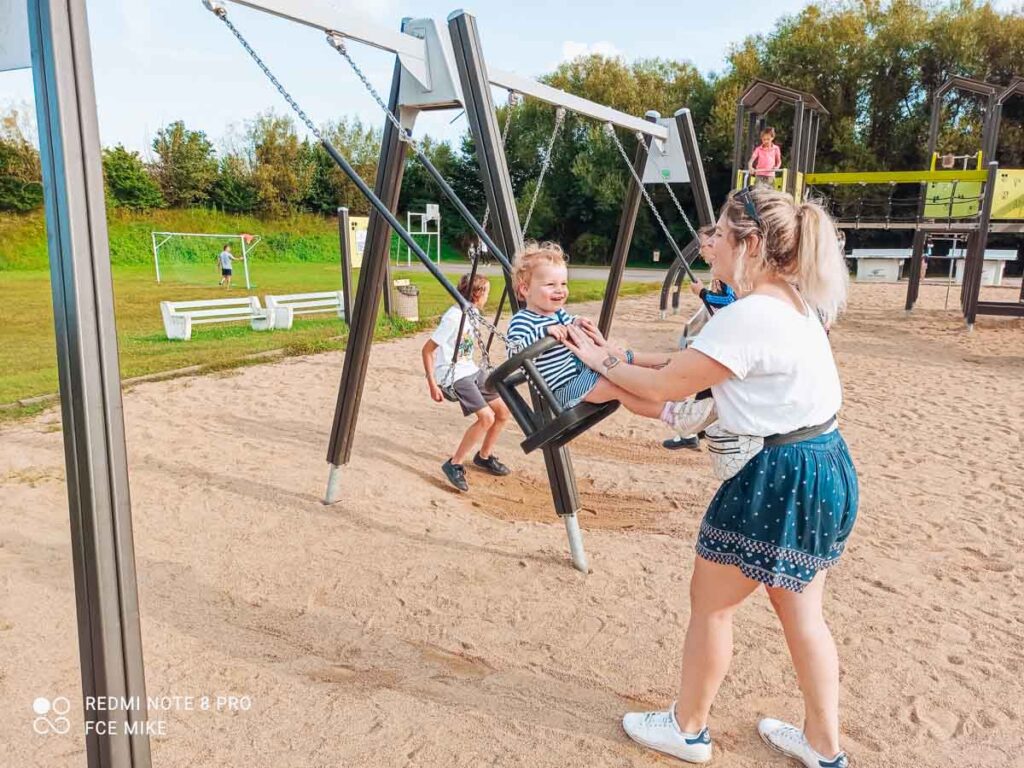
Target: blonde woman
[{"x": 783, "y": 519}]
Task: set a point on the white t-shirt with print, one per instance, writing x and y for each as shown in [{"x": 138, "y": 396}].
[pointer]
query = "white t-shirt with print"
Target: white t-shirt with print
[
  {"x": 784, "y": 375},
  {"x": 444, "y": 337}
]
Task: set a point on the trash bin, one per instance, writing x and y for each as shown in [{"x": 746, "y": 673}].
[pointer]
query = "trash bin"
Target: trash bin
[{"x": 407, "y": 301}]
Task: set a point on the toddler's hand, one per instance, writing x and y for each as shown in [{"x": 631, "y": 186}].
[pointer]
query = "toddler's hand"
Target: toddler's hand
[
  {"x": 697, "y": 286},
  {"x": 559, "y": 332},
  {"x": 435, "y": 392}
]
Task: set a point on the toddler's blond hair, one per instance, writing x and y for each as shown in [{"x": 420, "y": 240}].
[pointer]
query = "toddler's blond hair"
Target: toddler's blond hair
[{"x": 532, "y": 256}]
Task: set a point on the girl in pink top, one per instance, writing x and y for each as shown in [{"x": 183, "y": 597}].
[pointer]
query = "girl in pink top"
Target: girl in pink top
[{"x": 766, "y": 158}]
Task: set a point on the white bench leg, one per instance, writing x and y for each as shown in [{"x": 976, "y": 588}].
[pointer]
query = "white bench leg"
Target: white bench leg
[
  {"x": 178, "y": 327},
  {"x": 264, "y": 322}
]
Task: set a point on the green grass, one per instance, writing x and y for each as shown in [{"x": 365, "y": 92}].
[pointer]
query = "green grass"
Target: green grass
[
  {"x": 299, "y": 238},
  {"x": 27, "y": 347}
]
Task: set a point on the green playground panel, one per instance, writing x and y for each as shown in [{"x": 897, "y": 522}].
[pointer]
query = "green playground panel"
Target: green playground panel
[
  {"x": 781, "y": 177},
  {"x": 952, "y": 200}
]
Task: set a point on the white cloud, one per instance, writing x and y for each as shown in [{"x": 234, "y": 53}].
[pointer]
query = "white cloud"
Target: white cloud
[{"x": 572, "y": 49}]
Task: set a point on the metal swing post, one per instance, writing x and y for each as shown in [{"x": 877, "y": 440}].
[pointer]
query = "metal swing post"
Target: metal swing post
[
  {"x": 501, "y": 201},
  {"x": 374, "y": 274},
  {"x": 624, "y": 236},
  {"x": 99, "y": 502}
]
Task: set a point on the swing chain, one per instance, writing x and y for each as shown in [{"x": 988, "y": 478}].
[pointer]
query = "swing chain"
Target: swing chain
[
  {"x": 610, "y": 130},
  {"x": 544, "y": 166},
  {"x": 337, "y": 42},
  {"x": 476, "y": 321},
  {"x": 513, "y": 100},
  {"x": 668, "y": 188},
  {"x": 221, "y": 13}
]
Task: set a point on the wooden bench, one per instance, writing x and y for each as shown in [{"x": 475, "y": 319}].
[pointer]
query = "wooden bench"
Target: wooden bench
[
  {"x": 180, "y": 316},
  {"x": 283, "y": 308}
]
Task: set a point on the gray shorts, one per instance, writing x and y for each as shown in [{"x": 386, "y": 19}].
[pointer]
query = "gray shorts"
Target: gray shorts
[{"x": 473, "y": 393}]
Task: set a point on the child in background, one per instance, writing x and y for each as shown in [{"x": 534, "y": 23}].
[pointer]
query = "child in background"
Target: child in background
[
  {"x": 541, "y": 279},
  {"x": 225, "y": 259},
  {"x": 717, "y": 297},
  {"x": 766, "y": 158},
  {"x": 467, "y": 382}
]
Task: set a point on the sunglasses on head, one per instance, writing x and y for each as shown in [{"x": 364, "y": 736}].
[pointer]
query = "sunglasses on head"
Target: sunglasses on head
[{"x": 745, "y": 196}]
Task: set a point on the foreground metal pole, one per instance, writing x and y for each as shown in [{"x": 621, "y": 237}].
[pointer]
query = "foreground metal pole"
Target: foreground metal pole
[
  {"x": 363, "y": 320},
  {"x": 476, "y": 91},
  {"x": 915, "y": 276},
  {"x": 345, "y": 236},
  {"x": 103, "y": 557}
]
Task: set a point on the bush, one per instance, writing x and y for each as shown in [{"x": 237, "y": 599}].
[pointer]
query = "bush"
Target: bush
[
  {"x": 20, "y": 196},
  {"x": 590, "y": 249},
  {"x": 129, "y": 184}
]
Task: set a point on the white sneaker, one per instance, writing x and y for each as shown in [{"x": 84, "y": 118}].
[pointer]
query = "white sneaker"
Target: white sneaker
[
  {"x": 790, "y": 741},
  {"x": 660, "y": 731},
  {"x": 690, "y": 416}
]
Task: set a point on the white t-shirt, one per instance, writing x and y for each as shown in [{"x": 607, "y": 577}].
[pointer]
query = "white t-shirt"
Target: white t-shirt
[
  {"x": 444, "y": 337},
  {"x": 225, "y": 260},
  {"x": 784, "y": 375}
]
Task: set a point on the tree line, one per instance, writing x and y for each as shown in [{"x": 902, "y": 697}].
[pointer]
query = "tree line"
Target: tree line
[{"x": 873, "y": 65}]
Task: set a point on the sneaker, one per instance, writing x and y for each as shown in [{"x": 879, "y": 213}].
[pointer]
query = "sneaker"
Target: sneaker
[
  {"x": 491, "y": 464},
  {"x": 790, "y": 741},
  {"x": 456, "y": 474},
  {"x": 660, "y": 731},
  {"x": 690, "y": 416},
  {"x": 674, "y": 443}
]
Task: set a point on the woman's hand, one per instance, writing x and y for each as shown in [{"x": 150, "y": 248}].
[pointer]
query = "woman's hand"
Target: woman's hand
[
  {"x": 591, "y": 329},
  {"x": 587, "y": 349}
]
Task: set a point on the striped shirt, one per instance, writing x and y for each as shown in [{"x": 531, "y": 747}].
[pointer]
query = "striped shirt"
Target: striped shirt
[{"x": 557, "y": 366}]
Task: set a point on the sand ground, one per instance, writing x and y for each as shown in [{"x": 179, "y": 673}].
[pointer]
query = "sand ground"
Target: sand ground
[{"x": 411, "y": 626}]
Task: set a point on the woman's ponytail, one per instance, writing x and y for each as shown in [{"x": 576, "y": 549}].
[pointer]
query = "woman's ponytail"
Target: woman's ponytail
[{"x": 821, "y": 267}]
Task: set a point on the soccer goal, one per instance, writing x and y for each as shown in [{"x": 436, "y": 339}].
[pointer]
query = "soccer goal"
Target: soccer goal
[
  {"x": 191, "y": 257},
  {"x": 418, "y": 224}
]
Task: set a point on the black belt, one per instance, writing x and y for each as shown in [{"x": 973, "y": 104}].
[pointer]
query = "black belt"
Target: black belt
[{"x": 799, "y": 435}]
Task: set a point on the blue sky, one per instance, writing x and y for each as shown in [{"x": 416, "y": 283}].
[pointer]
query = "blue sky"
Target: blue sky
[{"x": 161, "y": 60}]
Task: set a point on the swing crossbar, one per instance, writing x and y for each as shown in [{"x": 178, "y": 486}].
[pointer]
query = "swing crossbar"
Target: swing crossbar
[{"x": 428, "y": 66}]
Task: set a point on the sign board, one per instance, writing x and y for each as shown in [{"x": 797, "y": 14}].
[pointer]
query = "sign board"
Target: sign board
[
  {"x": 14, "y": 46},
  {"x": 1008, "y": 202},
  {"x": 665, "y": 162},
  {"x": 357, "y": 226}
]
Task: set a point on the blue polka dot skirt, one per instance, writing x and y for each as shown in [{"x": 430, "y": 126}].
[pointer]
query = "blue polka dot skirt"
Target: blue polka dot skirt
[{"x": 786, "y": 514}]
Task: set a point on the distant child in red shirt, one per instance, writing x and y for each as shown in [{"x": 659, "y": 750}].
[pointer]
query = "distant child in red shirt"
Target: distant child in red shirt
[{"x": 766, "y": 158}]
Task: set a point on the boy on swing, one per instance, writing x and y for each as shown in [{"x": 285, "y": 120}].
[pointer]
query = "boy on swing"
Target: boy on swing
[
  {"x": 541, "y": 279},
  {"x": 462, "y": 377}
]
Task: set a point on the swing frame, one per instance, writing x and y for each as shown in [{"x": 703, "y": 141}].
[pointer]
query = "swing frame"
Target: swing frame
[{"x": 106, "y": 591}]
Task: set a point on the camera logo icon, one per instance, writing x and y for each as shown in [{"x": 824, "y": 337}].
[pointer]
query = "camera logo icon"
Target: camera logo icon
[{"x": 51, "y": 715}]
